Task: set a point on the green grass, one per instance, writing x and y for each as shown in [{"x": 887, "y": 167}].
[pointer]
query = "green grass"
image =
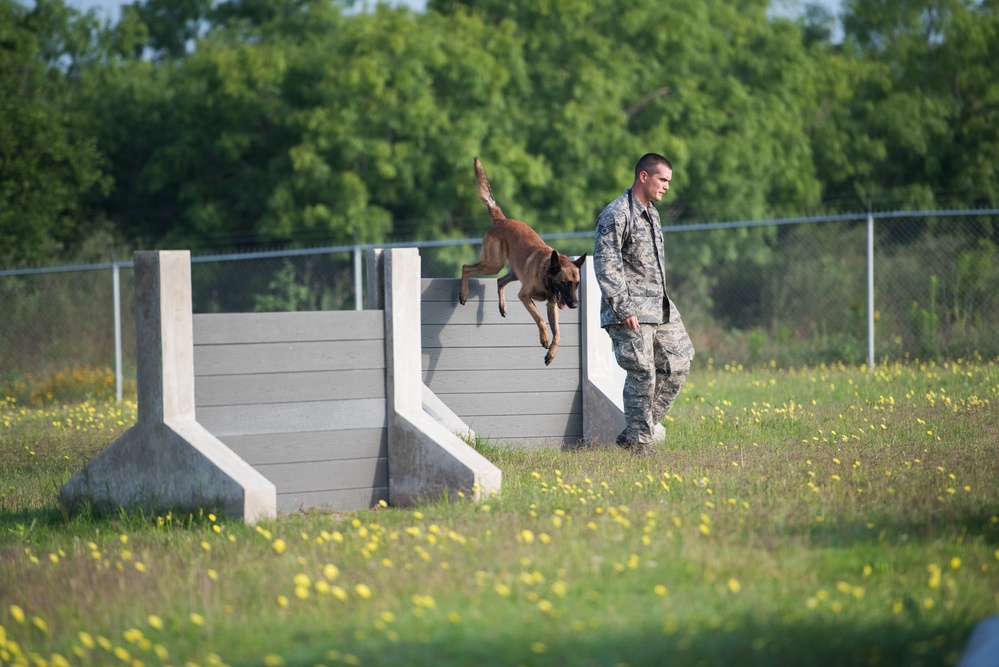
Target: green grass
[{"x": 814, "y": 516}]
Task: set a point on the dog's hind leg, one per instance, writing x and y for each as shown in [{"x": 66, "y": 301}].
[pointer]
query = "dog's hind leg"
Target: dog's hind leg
[
  {"x": 500, "y": 285},
  {"x": 479, "y": 269},
  {"x": 492, "y": 258}
]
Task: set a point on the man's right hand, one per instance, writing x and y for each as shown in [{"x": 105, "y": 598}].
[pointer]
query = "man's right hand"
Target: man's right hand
[{"x": 631, "y": 322}]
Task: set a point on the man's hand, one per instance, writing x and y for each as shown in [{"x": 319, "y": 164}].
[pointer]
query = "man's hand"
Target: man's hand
[{"x": 631, "y": 322}]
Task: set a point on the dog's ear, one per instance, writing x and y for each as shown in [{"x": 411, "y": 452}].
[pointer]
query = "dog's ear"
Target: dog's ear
[
  {"x": 554, "y": 266},
  {"x": 579, "y": 261}
]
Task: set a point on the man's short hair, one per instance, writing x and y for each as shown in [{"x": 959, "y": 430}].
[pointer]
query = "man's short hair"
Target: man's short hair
[{"x": 650, "y": 163}]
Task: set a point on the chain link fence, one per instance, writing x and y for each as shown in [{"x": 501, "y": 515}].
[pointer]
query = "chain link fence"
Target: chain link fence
[
  {"x": 790, "y": 292},
  {"x": 849, "y": 289}
]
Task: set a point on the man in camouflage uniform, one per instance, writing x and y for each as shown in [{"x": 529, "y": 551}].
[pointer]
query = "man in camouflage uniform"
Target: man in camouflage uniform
[{"x": 650, "y": 342}]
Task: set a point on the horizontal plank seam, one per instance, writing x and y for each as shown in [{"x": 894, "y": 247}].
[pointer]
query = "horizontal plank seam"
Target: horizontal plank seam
[
  {"x": 283, "y": 372},
  {"x": 216, "y": 406},
  {"x": 279, "y": 464},
  {"x": 282, "y": 341},
  {"x": 336, "y": 490}
]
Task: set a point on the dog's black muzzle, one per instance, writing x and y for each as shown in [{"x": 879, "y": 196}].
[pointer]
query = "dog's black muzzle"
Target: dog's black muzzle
[{"x": 564, "y": 296}]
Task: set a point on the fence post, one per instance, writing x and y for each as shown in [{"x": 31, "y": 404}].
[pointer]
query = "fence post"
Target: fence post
[
  {"x": 870, "y": 291},
  {"x": 358, "y": 280},
  {"x": 116, "y": 282}
]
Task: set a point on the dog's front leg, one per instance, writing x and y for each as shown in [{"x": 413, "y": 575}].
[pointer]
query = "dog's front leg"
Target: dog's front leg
[
  {"x": 556, "y": 337},
  {"x": 533, "y": 310}
]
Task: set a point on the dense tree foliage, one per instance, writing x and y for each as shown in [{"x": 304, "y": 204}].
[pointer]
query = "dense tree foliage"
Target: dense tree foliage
[
  {"x": 48, "y": 164},
  {"x": 227, "y": 123},
  {"x": 932, "y": 101}
]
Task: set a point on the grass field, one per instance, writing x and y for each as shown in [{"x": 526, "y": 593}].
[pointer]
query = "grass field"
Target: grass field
[{"x": 813, "y": 516}]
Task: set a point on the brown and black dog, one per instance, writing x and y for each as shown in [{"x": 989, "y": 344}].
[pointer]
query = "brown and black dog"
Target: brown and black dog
[{"x": 544, "y": 274}]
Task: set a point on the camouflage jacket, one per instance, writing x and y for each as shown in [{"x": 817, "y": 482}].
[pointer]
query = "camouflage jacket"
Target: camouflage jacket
[{"x": 630, "y": 263}]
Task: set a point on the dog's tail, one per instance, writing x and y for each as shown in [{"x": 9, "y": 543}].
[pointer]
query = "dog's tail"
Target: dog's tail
[{"x": 486, "y": 193}]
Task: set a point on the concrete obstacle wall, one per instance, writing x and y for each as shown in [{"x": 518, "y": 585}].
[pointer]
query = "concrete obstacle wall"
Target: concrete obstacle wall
[
  {"x": 490, "y": 369},
  {"x": 426, "y": 458},
  {"x": 170, "y": 459},
  {"x": 260, "y": 413},
  {"x": 301, "y": 397}
]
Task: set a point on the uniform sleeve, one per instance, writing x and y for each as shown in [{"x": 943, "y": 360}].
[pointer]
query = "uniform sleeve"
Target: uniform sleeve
[{"x": 608, "y": 263}]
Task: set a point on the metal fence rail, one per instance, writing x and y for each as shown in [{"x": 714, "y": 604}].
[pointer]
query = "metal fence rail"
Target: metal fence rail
[{"x": 857, "y": 288}]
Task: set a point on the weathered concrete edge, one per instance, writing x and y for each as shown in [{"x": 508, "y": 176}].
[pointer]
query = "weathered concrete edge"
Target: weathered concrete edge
[
  {"x": 442, "y": 414},
  {"x": 426, "y": 460}
]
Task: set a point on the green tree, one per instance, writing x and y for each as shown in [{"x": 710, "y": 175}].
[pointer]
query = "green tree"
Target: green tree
[
  {"x": 934, "y": 115},
  {"x": 728, "y": 94},
  {"x": 172, "y": 24},
  {"x": 289, "y": 121},
  {"x": 292, "y": 123},
  {"x": 714, "y": 85},
  {"x": 48, "y": 164}
]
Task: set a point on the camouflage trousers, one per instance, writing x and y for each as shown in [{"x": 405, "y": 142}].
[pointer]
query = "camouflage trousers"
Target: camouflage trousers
[{"x": 656, "y": 358}]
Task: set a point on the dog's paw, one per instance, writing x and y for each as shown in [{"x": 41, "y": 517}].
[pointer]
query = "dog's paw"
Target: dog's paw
[
  {"x": 461, "y": 299},
  {"x": 502, "y": 311},
  {"x": 548, "y": 358}
]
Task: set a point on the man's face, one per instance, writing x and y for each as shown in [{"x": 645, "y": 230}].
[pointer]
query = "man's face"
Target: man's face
[{"x": 656, "y": 184}]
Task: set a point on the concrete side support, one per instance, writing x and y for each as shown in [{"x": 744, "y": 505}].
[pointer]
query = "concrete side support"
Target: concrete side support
[
  {"x": 603, "y": 379},
  {"x": 432, "y": 405},
  {"x": 168, "y": 460},
  {"x": 426, "y": 460}
]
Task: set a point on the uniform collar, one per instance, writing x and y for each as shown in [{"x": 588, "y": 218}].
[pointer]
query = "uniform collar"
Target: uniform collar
[{"x": 636, "y": 204}]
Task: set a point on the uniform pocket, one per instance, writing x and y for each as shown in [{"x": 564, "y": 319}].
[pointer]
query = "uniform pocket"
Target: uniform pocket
[{"x": 629, "y": 349}]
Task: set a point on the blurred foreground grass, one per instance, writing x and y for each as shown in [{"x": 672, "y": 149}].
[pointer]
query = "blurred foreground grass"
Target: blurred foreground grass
[{"x": 812, "y": 516}]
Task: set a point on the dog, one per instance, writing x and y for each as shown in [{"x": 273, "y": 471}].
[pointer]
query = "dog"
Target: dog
[{"x": 544, "y": 274}]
